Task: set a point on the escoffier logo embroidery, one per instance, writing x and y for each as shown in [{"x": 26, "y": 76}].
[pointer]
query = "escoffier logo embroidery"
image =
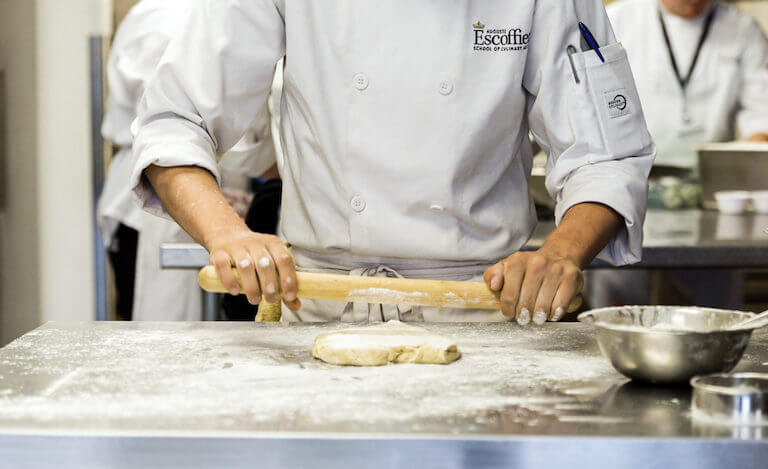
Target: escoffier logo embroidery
[
  {"x": 499, "y": 39},
  {"x": 617, "y": 103}
]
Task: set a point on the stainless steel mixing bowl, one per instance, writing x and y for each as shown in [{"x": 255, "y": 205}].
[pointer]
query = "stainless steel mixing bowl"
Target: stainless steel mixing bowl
[{"x": 685, "y": 341}]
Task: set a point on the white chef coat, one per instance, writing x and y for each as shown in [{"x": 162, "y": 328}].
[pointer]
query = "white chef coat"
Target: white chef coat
[
  {"x": 726, "y": 96},
  {"x": 250, "y": 156},
  {"x": 405, "y": 141},
  {"x": 136, "y": 49},
  {"x": 139, "y": 44}
]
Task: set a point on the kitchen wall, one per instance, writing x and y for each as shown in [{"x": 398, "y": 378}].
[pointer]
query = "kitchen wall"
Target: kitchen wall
[
  {"x": 758, "y": 9},
  {"x": 66, "y": 229},
  {"x": 120, "y": 8},
  {"x": 46, "y": 229},
  {"x": 19, "y": 260}
]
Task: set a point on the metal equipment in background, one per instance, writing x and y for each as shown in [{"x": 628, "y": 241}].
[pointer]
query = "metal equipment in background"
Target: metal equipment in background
[
  {"x": 96, "y": 61},
  {"x": 732, "y": 166}
]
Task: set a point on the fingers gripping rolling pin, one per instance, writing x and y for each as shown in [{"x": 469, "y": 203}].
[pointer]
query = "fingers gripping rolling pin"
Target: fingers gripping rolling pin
[{"x": 379, "y": 290}]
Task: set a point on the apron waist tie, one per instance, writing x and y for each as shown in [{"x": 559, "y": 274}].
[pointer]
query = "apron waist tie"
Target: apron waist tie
[{"x": 361, "y": 312}]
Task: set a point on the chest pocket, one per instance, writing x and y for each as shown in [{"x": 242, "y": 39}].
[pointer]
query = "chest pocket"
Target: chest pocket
[{"x": 611, "y": 103}]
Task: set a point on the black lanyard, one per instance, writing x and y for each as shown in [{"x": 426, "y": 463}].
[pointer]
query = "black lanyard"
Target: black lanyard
[{"x": 684, "y": 80}]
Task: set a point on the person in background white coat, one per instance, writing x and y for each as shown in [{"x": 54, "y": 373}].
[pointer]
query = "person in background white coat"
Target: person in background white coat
[
  {"x": 405, "y": 136},
  {"x": 705, "y": 83},
  {"x": 139, "y": 43},
  {"x": 702, "y": 74}
]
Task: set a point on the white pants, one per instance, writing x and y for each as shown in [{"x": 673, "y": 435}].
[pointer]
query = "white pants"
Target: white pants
[{"x": 161, "y": 294}]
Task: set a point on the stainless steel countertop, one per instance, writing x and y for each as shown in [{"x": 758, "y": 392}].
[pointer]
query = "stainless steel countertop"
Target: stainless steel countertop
[
  {"x": 673, "y": 239},
  {"x": 209, "y": 394}
]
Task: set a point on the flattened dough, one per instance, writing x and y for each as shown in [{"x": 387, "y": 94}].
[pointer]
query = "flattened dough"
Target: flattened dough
[{"x": 391, "y": 342}]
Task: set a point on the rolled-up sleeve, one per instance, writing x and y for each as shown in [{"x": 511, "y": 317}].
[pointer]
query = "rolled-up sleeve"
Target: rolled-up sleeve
[
  {"x": 207, "y": 89},
  {"x": 136, "y": 51},
  {"x": 587, "y": 116},
  {"x": 752, "y": 117}
]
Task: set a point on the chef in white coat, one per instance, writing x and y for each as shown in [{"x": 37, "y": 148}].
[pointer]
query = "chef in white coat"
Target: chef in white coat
[
  {"x": 702, "y": 73},
  {"x": 405, "y": 130},
  {"x": 139, "y": 43}
]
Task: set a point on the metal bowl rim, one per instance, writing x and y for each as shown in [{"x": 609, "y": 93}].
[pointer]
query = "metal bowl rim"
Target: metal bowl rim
[
  {"x": 623, "y": 328},
  {"x": 713, "y": 388}
]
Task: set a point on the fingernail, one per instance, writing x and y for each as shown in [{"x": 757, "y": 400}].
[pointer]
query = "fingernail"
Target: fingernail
[
  {"x": 270, "y": 288},
  {"x": 245, "y": 263},
  {"x": 234, "y": 292},
  {"x": 524, "y": 317},
  {"x": 559, "y": 312},
  {"x": 264, "y": 262},
  {"x": 539, "y": 318},
  {"x": 495, "y": 283}
]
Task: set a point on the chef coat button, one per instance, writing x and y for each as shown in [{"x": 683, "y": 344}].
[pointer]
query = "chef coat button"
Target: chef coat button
[
  {"x": 446, "y": 87},
  {"x": 357, "y": 203},
  {"x": 360, "y": 81}
]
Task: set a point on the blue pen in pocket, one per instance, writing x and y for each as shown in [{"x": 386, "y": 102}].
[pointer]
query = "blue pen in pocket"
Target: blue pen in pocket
[{"x": 586, "y": 34}]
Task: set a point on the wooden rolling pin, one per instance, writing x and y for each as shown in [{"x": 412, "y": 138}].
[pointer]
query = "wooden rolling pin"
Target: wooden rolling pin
[{"x": 382, "y": 290}]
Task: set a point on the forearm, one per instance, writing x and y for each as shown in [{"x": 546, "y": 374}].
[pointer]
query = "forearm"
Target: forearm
[
  {"x": 583, "y": 232},
  {"x": 265, "y": 266},
  {"x": 192, "y": 197}
]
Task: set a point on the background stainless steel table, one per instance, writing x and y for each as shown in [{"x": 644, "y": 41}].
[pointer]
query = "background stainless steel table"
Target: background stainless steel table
[
  {"x": 680, "y": 239},
  {"x": 674, "y": 239},
  {"x": 244, "y": 394}
]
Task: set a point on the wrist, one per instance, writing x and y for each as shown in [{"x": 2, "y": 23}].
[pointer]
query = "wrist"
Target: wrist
[
  {"x": 563, "y": 250},
  {"x": 219, "y": 231}
]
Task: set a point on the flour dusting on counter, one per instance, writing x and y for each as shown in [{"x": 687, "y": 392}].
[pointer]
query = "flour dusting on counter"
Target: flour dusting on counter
[{"x": 263, "y": 377}]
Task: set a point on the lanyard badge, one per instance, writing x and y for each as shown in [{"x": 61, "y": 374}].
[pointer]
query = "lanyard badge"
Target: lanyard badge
[{"x": 683, "y": 81}]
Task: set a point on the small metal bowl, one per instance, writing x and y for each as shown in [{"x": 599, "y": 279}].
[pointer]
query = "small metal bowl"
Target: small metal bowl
[
  {"x": 669, "y": 344},
  {"x": 731, "y": 399}
]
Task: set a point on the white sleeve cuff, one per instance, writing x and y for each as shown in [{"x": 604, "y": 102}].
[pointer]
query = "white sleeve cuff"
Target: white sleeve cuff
[
  {"x": 610, "y": 184},
  {"x": 187, "y": 149}
]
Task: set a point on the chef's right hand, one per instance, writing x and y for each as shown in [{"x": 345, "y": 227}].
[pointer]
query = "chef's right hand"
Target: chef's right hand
[{"x": 263, "y": 262}]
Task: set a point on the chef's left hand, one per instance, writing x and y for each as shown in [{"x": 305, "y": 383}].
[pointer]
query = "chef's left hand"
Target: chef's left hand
[{"x": 535, "y": 286}]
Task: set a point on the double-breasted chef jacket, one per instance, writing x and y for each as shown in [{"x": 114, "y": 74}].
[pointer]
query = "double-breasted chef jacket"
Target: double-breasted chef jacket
[{"x": 405, "y": 124}]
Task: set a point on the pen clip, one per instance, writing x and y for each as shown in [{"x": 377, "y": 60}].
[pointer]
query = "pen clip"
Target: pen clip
[
  {"x": 570, "y": 50},
  {"x": 589, "y": 38}
]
